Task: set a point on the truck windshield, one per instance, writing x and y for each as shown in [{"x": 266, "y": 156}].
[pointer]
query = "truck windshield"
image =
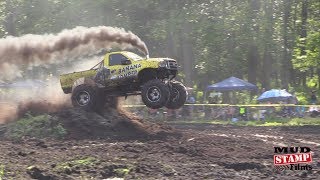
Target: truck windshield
[{"x": 133, "y": 56}]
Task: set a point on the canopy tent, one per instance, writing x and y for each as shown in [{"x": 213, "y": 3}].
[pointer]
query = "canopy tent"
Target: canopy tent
[
  {"x": 274, "y": 95},
  {"x": 232, "y": 84}
]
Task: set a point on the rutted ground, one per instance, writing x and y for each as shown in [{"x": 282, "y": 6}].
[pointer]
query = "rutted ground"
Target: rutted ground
[{"x": 201, "y": 151}]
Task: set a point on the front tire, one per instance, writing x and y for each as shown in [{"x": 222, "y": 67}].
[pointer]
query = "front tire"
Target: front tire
[
  {"x": 155, "y": 94},
  {"x": 178, "y": 95}
]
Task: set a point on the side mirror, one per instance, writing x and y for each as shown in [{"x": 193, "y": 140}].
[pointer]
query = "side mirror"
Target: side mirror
[{"x": 125, "y": 62}]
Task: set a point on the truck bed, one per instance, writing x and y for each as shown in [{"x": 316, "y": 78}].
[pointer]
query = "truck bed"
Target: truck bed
[{"x": 67, "y": 80}]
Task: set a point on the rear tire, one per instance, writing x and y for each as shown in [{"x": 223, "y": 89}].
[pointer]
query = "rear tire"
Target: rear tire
[
  {"x": 155, "y": 94},
  {"x": 87, "y": 98},
  {"x": 178, "y": 95}
]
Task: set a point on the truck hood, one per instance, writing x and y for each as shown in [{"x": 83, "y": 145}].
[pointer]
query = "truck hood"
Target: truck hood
[{"x": 159, "y": 59}]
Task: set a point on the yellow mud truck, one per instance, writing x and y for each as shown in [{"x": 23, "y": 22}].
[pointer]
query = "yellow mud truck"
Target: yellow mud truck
[{"x": 123, "y": 74}]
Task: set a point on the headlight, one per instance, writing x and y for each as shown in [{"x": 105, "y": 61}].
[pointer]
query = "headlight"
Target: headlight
[{"x": 163, "y": 64}]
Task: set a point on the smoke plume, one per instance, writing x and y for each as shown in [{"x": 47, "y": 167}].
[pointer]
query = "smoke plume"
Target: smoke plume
[
  {"x": 34, "y": 50},
  {"x": 16, "y": 101}
]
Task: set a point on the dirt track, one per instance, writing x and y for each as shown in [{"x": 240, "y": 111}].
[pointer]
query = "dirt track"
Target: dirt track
[{"x": 201, "y": 152}]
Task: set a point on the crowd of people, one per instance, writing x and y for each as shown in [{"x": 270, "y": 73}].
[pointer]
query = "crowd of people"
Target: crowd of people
[{"x": 213, "y": 109}]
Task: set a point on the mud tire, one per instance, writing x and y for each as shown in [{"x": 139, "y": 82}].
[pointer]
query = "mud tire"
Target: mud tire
[
  {"x": 155, "y": 94},
  {"x": 88, "y": 97},
  {"x": 178, "y": 95}
]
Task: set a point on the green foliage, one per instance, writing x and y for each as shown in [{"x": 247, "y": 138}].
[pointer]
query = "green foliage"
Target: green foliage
[
  {"x": 90, "y": 162},
  {"x": 84, "y": 162},
  {"x": 77, "y": 163},
  {"x": 199, "y": 96},
  {"x": 283, "y": 122},
  {"x": 2, "y": 172},
  {"x": 311, "y": 57},
  {"x": 212, "y": 40},
  {"x": 271, "y": 124},
  {"x": 301, "y": 122},
  {"x": 245, "y": 98},
  {"x": 268, "y": 122},
  {"x": 121, "y": 172},
  {"x": 36, "y": 126}
]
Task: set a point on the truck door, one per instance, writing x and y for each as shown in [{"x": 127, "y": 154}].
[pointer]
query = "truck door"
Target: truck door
[{"x": 117, "y": 64}]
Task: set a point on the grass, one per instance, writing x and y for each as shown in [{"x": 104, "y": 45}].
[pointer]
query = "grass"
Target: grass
[
  {"x": 2, "y": 172},
  {"x": 84, "y": 162},
  {"x": 121, "y": 172},
  {"x": 69, "y": 166},
  {"x": 40, "y": 126},
  {"x": 87, "y": 161},
  {"x": 117, "y": 170},
  {"x": 201, "y": 121},
  {"x": 267, "y": 122}
]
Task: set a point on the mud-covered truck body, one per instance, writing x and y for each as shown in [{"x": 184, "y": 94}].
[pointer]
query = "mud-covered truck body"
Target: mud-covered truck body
[{"x": 122, "y": 74}]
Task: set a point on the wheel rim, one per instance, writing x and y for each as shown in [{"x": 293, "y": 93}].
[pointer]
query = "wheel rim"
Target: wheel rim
[
  {"x": 153, "y": 94},
  {"x": 175, "y": 94},
  {"x": 83, "y": 98}
]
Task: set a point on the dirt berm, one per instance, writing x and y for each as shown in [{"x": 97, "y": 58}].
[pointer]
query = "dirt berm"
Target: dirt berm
[{"x": 111, "y": 123}]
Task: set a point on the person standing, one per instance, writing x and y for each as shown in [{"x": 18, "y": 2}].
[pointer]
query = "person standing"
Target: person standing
[
  {"x": 313, "y": 97},
  {"x": 191, "y": 100}
]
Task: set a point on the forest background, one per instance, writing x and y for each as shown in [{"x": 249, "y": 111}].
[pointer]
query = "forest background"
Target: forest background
[{"x": 270, "y": 43}]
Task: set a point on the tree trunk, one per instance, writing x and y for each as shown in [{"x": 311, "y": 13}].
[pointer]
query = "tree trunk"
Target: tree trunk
[
  {"x": 170, "y": 47},
  {"x": 286, "y": 64},
  {"x": 253, "y": 59},
  {"x": 253, "y": 53},
  {"x": 267, "y": 69},
  {"x": 303, "y": 36},
  {"x": 267, "y": 61},
  {"x": 318, "y": 74},
  {"x": 187, "y": 54},
  {"x": 9, "y": 23}
]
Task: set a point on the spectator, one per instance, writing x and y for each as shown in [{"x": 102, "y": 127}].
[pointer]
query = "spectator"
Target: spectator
[
  {"x": 208, "y": 109},
  {"x": 243, "y": 113},
  {"x": 313, "y": 97},
  {"x": 300, "y": 111},
  {"x": 231, "y": 112},
  {"x": 188, "y": 110},
  {"x": 292, "y": 100},
  {"x": 191, "y": 99}
]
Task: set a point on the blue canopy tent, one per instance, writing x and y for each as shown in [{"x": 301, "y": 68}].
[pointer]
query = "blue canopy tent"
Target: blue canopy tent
[{"x": 232, "y": 84}]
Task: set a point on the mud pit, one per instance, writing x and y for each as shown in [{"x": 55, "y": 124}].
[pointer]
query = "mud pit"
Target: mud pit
[{"x": 139, "y": 149}]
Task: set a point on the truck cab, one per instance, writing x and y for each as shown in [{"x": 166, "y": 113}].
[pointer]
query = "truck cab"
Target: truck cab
[
  {"x": 126, "y": 68},
  {"x": 123, "y": 67}
]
